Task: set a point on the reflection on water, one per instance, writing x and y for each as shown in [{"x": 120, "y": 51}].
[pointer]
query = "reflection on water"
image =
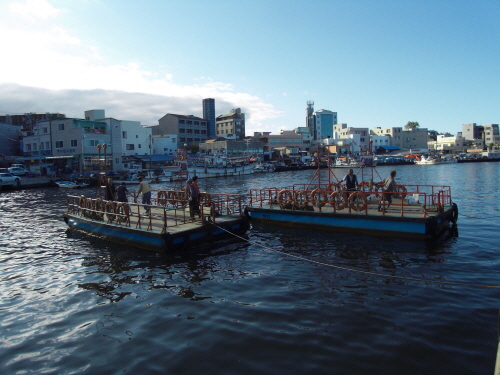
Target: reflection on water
[{"x": 280, "y": 300}]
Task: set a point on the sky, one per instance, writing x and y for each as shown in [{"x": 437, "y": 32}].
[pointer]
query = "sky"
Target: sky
[{"x": 377, "y": 63}]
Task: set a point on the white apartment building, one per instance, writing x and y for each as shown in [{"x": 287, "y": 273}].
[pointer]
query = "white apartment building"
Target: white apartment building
[
  {"x": 448, "y": 145},
  {"x": 359, "y": 137},
  {"x": 403, "y": 139}
]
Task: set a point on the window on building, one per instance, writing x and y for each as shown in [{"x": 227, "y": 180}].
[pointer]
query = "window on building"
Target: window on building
[
  {"x": 182, "y": 130},
  {"x": 60, "y": 127},
  {"x": 74, "y": 143},
  {"x": 47, "y": 145},
  {"x": 28, "y": 146},
  {"x": 173, "y": 140},
  {"x": 34, "y": 146},
  {"x": 136, "y": 136},
  {"x": 130, "y": 147},
  {"x": 124, "y": 135},
  {"x": 181, "y": 122},
  {"x": 59, "y": 144},
  {"x": 45, "y": 130}
]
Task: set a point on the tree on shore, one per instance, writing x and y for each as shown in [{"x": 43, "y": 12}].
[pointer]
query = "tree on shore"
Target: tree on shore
[{"x": 412, "y": 125}]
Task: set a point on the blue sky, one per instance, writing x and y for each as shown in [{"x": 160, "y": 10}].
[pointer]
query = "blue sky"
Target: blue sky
[{"x": 376, "y": 63}]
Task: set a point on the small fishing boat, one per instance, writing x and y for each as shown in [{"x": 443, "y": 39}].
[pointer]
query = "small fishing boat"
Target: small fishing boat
[
  {"x": 346, "y": 162},
  {"x": 423, "y": 211},
  {"x": 423, "y": 160},
  {"x": 71, "y": 184}
]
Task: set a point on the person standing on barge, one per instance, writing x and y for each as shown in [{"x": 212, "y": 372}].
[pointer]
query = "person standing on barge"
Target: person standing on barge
[
  {"x": 388, "y": 189},
  {"x": 121, "y": 192},
  {"x": 145, "y": 189},
  {"x": 194, "y": 197},
  {"x": 351, "y": 182}
]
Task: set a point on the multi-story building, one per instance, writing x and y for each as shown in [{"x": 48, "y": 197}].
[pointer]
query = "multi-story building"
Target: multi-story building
[
  {"x": 188, "y": 130},
  {"x": 165, "y": 145},
  {"x": 233, "y": 148},
  {"x": 448, "y": 144},
  {"x": 475, "y": 134},
  {"x": 28, "y": 120},
  {"x": 323, "y": 121},
  {"x": 310, "y": 118},
  {"x": 231, "y": 124},
  {"x": 209, "y": 116},
  {"x": 404, "y": 139},
  {"x": 360, "y": 137}
]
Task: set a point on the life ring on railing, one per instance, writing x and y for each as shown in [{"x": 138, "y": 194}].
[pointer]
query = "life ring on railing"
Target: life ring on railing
[
  {"x": 162, "y": 197},
  {"x": 182, "y": 198},
  {"x": 285, "y": 198},
  {"x": 357, "y": 201},
  {"x": 171, "y": 197},
  {"x": 110, "y": 210},
  {"x": 99, "y": 209},
  {"x": 89, "y": 207},
  {"x": 81, "y": 204},
  {"x": 336, "y": 200},
  {"x": 122, "y": 212},
  {"x": 403, "y": 191},
  {"x": 322, "y": 198},
  {"x": 205, "y": 197},
  {"x": 334, "y": 186},
  {"x": 300, "y": 198}
]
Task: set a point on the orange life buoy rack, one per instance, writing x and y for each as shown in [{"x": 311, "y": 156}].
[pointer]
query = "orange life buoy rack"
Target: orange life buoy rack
[
  {"x": 403, "y": 191},
  {"x": 357, "y": 201},
  {"x": 336, "y": 200},
  {"x": 81, "y": 204},
  {"x": 110, "y": 210},
  {"x": 89, "y": 207},
  {"x": 162, "y": 197},
  {"x": 300, "y": 198},
  {"x": 122, "y": 211},
  {"x": 334, "y": 186},
  {"x": 285, "y": 197},
  {"x": 171, "y": 197},
  {"x": 322, "y": 197},
  {"x": 99, "y": 209}
]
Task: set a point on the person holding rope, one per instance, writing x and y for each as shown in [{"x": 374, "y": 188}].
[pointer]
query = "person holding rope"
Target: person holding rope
[{"x": 388, "y": 189}]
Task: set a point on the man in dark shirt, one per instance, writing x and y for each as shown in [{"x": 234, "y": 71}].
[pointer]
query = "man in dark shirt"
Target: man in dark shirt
[{"x": 121, "y": 192}]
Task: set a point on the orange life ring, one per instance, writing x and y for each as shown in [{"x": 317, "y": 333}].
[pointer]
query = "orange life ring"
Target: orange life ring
[
  {"x": 300, "y": 198},
  {"x": 285, "y": 197},
  {"x": 322, "y": 198},
  {"x": 336, "y": 200},
  {"x": 110, "y": 210},
  {"x": 162, "y": 197},
  {"x": 81, "y": 204},
  {"x": 354, "y": 201},
  {"x": 205, "y": 197},
  {"x": 171, "y": 197},
  {"x": 181, "y": 197},
  {"x": 122, "y": 212},
  {"x": 403, "y": 191},
  {"x": 89, "y": 207},
  {"x": 334, "y": 186},
  {"x": 99, "y": 209}
]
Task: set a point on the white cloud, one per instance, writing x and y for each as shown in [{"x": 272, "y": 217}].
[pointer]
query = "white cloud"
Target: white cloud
[
  {"x": 52, "y": 62},
  {"x": 34, "y": 9}
]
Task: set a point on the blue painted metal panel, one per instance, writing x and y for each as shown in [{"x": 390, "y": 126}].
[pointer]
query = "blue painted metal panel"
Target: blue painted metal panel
[{"x": 352, "y": 222}]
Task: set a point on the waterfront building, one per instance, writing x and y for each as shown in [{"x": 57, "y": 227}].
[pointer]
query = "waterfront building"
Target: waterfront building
[
  {"x": 404, "y": 139},
  {"x": 28, "y": 120},
  {"x": 310, "y": 119},
  {"x": 359, "y": 137},
  {"x": 209, "y": 116},
  {"x": 324, "y": 122},
  {"x": 233, "y": 148},
  {"x": 231, "y": 123},
  {"x": 481, "y": 136},
  {"x": 448, "y": 144},
  {"x": 165, "y": 144},
  {"x": 187, "y": 129}
]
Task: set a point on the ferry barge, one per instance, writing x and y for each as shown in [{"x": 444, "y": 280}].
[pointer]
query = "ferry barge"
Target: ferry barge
[
  {"x": 168, "y": 227},
  {"x": 423, "y": 211}
]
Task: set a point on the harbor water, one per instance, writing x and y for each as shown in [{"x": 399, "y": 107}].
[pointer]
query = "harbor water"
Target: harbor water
[{"x": 278, "y": 300}]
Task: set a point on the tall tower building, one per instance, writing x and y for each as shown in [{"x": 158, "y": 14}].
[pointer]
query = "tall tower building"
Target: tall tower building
[
  {"x": 209, "y": 116},
  {"x": 309, "y": 118},
  {"x": 324, "y": 121}
]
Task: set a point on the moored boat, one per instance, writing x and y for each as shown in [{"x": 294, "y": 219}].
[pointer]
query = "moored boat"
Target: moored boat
[
  {"x": 423, "y": 160},
  {"x": 166, "y": 225},
  {"x": 417, "y": 210},
  {"x": 71, "y": 184}
]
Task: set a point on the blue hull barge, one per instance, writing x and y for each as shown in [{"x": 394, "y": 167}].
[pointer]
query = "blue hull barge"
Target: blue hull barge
[
  {"x": 422, "y": 211},
  {"x": 168, "y": 227}
]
